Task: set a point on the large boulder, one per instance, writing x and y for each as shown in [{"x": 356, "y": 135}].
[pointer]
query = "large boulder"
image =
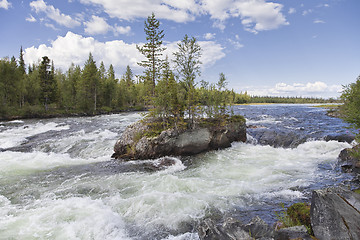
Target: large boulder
[
  {"x": 350, "y": 163},
  {"x": 174, "y": 142},
  {"x": 335, "y": 214},
  {"x": 277, "y": 138}
]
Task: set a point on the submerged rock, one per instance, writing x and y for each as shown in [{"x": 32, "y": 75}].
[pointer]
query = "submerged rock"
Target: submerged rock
[
  {"x": 335, "y": 214},
  {"x": 340, "y": 138},
  {"x": 173, "y": 142},
  {"x": 276, "y": 138}
]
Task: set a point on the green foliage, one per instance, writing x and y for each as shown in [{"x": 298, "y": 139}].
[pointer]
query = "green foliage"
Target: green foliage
[
  {"x": 152, "y": 50},
  {"x": 187, "y": 64},
  {"x": 351, "y": 107},
  {"x": 296, "y": 215},
  {"x": 350, "y": 110}
]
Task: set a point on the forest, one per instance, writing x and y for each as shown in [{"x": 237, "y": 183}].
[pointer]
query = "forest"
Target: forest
[{"x": 169, "y": 88}]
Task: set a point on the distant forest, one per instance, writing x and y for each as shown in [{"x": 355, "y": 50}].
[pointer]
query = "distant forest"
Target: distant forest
[{"x": 40, "y": 90}]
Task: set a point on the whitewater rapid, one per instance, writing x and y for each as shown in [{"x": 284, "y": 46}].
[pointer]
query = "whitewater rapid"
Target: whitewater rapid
[{"x": 57, "y": 181}]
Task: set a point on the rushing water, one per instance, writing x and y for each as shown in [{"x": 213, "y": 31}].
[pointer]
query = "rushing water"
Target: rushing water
[{"x": 57, "y": 180}]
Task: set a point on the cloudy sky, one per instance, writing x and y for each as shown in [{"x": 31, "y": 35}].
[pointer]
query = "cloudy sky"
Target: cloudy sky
[{"x": 265, "y": 47}]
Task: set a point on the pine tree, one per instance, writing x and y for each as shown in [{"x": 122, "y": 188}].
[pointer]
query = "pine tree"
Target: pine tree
[
  {"x": 22, "y": 79},
  {"x": 187, "y": 63},
  {"x": 88, "y": 86},
  {"x": 47, "y": 82},
  {"x": 152, "y": 50}
]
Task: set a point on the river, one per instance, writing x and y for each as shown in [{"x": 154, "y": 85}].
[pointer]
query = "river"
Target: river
[{"x": 57, "y": 180}]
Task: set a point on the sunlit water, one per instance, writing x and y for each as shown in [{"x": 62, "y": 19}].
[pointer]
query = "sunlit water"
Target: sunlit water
[{"x": 57, "y": 180}]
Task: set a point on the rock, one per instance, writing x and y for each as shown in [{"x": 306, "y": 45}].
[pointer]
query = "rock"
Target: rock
[
  {"x": 296, "y": 232},
  {"x": 230, "y": 230},
  {"x": 192, "y": 141},
  {"x": 340, "y": 138},
  {"x": 335, "y": 214},
  {"x": 234, "y": 229},
  {"x": 277, "y": 138},
  {"x": 348, "y": 162},
  {"x": 174, "y": 142},
  {"x": 258, "y": 228}
]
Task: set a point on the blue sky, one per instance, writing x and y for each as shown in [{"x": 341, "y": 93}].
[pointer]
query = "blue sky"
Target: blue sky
[{"x": 264, "y": 47}]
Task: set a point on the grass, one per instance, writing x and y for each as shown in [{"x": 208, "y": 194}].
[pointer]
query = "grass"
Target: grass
[
  {"x": 296, "y": 215},
  {"x": 328, "y": 106}
]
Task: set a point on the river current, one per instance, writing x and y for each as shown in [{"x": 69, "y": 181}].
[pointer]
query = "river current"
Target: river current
[{"x": 58, "y": 181}]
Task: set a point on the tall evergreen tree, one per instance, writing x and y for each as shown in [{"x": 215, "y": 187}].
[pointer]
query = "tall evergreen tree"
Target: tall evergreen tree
[
  {"x": 152, "y": 50},
  {"x": 88, "y": 86},
  {"x": 47, "y": 82},
  {"x": 187, "y": 63}
]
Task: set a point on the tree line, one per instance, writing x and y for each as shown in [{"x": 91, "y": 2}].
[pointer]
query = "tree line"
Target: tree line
[{"x": 168, "y": 88}]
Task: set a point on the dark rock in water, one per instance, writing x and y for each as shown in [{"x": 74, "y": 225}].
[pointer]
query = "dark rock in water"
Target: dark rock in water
[
  {"x": 259, "y": 229},
  {"x": 335, "y": 214},
  {"x": 296, "y": 232},
  {"x": 349, "y": 163},
  {"x": 231, "y": 229},
  {"x": 277, "y": 138},
  {"x": 234, "y": 229},
  {"x": 340, "y": 138},
  {"x": 174, "y": 142}
]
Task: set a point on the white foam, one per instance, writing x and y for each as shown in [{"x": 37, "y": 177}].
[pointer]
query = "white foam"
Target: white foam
[
  {"x": 263, "y": 119},
  {"x": 71, "y": 218},
  {"x": 17, "y": 135},
  {"x": 19, "y": 163}
]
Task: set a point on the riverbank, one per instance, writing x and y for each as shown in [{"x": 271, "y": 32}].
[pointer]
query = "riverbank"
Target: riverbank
[{"x": 38, "y": 112}]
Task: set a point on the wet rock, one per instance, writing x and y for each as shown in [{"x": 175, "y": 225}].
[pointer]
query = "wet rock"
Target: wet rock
[
  {"x": 335, "y": 214},
  {"x": 348, "y": 162},
  {"x": 174, "y": 142},
  {"x": 340, "y": 138},
  {"x": 276, "y": 138},
  {"x": 230, "y": 230},
  {"x": 234, "y": 229},
  {"x": 296, "y": 232},
  {"x": 259, "y": 229}
]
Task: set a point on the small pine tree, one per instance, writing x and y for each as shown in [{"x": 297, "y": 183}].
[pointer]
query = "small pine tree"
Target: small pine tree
[{"x": 152, "y": 50}]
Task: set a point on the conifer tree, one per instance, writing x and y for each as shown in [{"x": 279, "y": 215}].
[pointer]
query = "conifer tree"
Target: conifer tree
[
  {"x": 88, "y": 86},
  {"x": 152, "y": 50},
  {"x": 47, "y": 82},
  {"x": 22, "y": 76},
  {"x": 187, "y": 63}
]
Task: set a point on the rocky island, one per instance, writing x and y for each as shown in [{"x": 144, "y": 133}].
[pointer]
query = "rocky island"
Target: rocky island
[{"x": 206, "y": 135}]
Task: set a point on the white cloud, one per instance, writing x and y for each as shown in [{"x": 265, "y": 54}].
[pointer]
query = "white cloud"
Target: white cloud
[
  {"x": 98, "y": 25},
  {"x": 121, "y": 30},
  {"x": 259, "y": 15},
  {"x": 256, "y": 15},
  {"x": 30, "y": 18},
  {"x": 209, "y": 36},
  {"x": 5, "y": 4},
  {"x": 178, "y": 11},
  {"x": 75, "y": 48},
  {"x": 236, "y": 44},
  {"x": 292, "y": 10},
  {"x": 49, "y": 25},
  {"x": 306, "y": 12},
  {"x": 310, "y": 89},
  {"x": 54, "y": 14},
  {"x": 318, "y": 21}
]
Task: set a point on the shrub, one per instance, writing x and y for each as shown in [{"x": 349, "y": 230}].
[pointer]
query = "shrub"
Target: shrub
[{"x": 296, "y": 215}]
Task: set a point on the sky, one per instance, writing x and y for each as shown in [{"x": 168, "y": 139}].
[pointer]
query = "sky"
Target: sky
[{"x": 308, "y": 48}]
